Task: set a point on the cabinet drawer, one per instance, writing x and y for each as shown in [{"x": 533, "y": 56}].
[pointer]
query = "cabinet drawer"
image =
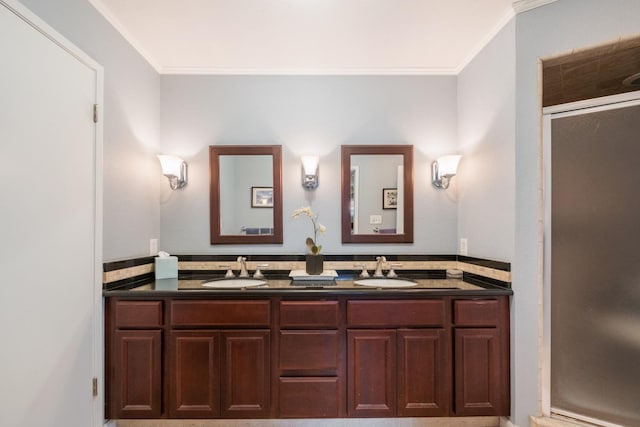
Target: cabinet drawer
[
  {"x": 390, "y": 314},
  {"x": 309, "y": 352},
  {"x": 138, "y": 314},
  {"x": 311, "y": 397},
  {"x": 194, "y": 313},
  {"x": 309, "y": 314},
  {"x": 476, "y": 312}
]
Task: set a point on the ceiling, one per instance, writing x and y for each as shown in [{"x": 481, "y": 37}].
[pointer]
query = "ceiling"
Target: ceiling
[{"x": 307, "y": 36}]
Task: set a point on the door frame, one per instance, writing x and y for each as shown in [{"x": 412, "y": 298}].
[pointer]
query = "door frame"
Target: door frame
[
  {"x": 548, "y": 114},
  {"x": 45, "y": 29}
]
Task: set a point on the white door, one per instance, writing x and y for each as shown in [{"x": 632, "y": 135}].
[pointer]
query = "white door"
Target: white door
[{"x": 48, "y": 255}]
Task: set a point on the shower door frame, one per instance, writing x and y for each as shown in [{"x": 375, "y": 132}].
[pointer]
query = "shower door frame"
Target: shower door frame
[{"x": 624, "y": 100}]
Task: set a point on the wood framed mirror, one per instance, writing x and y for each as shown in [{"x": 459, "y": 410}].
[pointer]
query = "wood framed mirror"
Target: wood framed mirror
[
  {"x": 245, "y": 194},
  {"x": 377, "y": 193}
]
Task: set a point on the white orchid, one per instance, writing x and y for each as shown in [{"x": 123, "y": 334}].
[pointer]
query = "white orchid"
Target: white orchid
[{"x": 317, "y": 227}]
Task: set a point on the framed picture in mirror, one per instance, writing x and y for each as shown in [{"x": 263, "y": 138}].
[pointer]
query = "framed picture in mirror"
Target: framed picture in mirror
[
  {"x": 389, "y": 198},
  {"x": 261, "y": 197}
]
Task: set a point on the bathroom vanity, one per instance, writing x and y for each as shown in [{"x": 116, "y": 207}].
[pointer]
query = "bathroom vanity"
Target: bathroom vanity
[{"x": 177, "y": 350}]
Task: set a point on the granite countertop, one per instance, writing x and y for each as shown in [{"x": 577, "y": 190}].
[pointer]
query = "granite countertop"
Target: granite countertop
[{"x": 279, "y": 286}]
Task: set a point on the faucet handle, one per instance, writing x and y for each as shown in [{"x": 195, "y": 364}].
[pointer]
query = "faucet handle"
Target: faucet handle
[
  {"x": 258, "y": 274},
  {"x": 392, "y": 274},
  {"x": 364, "y": 273},
  {"x": 229, "y": 274}
]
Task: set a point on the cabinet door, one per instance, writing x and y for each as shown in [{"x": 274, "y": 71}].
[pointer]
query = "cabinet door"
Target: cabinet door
[
  {"x": 478, "y": 372},
  {"x": 245, "y": 371},
  {"x": 194, "y": 367},
  {"x": 423, "y": 373},
  {"x": 137, "y": 370},
  {"x": 371, "y": 367}
]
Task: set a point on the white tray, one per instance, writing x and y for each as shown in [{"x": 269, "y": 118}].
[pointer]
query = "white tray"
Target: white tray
[{"x": 302, "y": 275}]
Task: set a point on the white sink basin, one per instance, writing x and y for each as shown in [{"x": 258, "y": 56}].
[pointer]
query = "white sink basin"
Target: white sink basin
[
  {"x": 233, "y": 283},
  {"x": 385, "y": 283}
]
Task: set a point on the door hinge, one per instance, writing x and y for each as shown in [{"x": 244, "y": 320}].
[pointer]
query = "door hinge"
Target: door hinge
[
  {"x": 94, "y": 386},
  {"x": 95, "y": 113}
]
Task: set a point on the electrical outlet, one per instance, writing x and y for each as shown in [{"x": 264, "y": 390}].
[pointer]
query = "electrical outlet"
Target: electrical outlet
[
  {"x": 375, "y": 219},
  {"x": 153, "y": 246},
  {"x": 464, "y": 250}
]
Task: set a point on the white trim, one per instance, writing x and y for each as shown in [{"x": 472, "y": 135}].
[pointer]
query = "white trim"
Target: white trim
[
  {"x": 590, "y": 103},
  {"x": 98, "y": 348},
  {"x": 520, "y": 6},
  {"x": 576, "y": 418},
  {"x": 377, "y": 71},
  {"x": 115, "y": 22},
  {"x": 485, "y": 40},
  {"x": 46, "y": 30},
  {"x": 506, "y": 422},
  {"x": 545, "y": 356},
  {"x": 98, "y": 306}
]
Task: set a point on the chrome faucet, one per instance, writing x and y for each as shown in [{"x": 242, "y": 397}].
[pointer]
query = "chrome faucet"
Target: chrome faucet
[
  {"x": 258, "y": 274},
  {"x": 378, "y": 272},
  {"x": 391, "y": 273},
  {"x": 364, "y": 273},
  {"x": 243, "y": 267}
]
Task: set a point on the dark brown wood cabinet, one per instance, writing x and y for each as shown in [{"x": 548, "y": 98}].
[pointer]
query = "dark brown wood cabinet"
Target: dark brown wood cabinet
[
  {"x": 310, "y": 362},
  {"x": 194, "y": 374},
  {"x": 371, "y": 390},
  {"x": 217, "y": 368},
  {"x": 246, "y": 374},
  {"x": 481, "y": 357},
  {"x": 276, "y": 357},
  {"x": 215, "y": 374},
  {"x": 423, "y": 372},
  {"x": 134, "y": 359},
  {"x": 401, "y": 371},
  {"x": 138, "y": 386}
]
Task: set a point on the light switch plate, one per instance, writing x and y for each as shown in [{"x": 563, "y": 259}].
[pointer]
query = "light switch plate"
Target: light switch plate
[
  {"x": 464, "y": 247},
  {"x": 153, "y": 246},
  {"x": 375, "y": 219}
]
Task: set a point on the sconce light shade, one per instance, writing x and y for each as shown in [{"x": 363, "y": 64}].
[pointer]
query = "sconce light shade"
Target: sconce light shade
[
  {"x": 175, "y": 169},
  {"x": 310, "y": 172},
  {"x": 443, "y": 169}
]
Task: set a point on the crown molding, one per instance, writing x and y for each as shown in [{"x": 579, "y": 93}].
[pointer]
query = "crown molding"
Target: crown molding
[
  {"x": 115, "y": 22},
  {"x": 520, "y": 6},
  {"x": 346, "y": 71},
  {"x": 485, "y": 41}
]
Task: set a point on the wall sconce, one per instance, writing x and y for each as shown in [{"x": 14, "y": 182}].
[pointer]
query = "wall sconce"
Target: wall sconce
[
  {"x": 443, "y": 169},
  {"x": 310, "y": 172},
  {"x": 175, "y": 169}
]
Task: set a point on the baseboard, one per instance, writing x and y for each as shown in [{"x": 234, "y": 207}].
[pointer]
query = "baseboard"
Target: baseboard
[
  {"x": 553, "y": 422},
  {"x": 342, "y": 422}
]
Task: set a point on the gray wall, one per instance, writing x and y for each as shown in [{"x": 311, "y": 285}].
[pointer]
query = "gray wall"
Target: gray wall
[
  {"x": 131, "y": 125},
  {"x": 486, "y": 134},
  {"x": 307, "y": 114},
  {"x": 550, "y": 30}
]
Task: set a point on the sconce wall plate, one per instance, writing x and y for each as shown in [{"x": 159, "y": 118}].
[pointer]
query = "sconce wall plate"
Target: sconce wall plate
[
  {"x": 175, "y": 169},
  {"x": 443, "y": 169},
  {"x": 310, "y": 172}
]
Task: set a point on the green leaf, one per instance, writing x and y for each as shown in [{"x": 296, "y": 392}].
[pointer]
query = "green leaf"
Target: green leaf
[{"x": 310, "y": 243}]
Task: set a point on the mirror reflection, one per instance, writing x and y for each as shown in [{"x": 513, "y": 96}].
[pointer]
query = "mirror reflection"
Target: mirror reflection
[
  {"x": 377, "y": 193},
  {"x": 246, "y": 199},
  {"x": 245, "y": 194}
]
